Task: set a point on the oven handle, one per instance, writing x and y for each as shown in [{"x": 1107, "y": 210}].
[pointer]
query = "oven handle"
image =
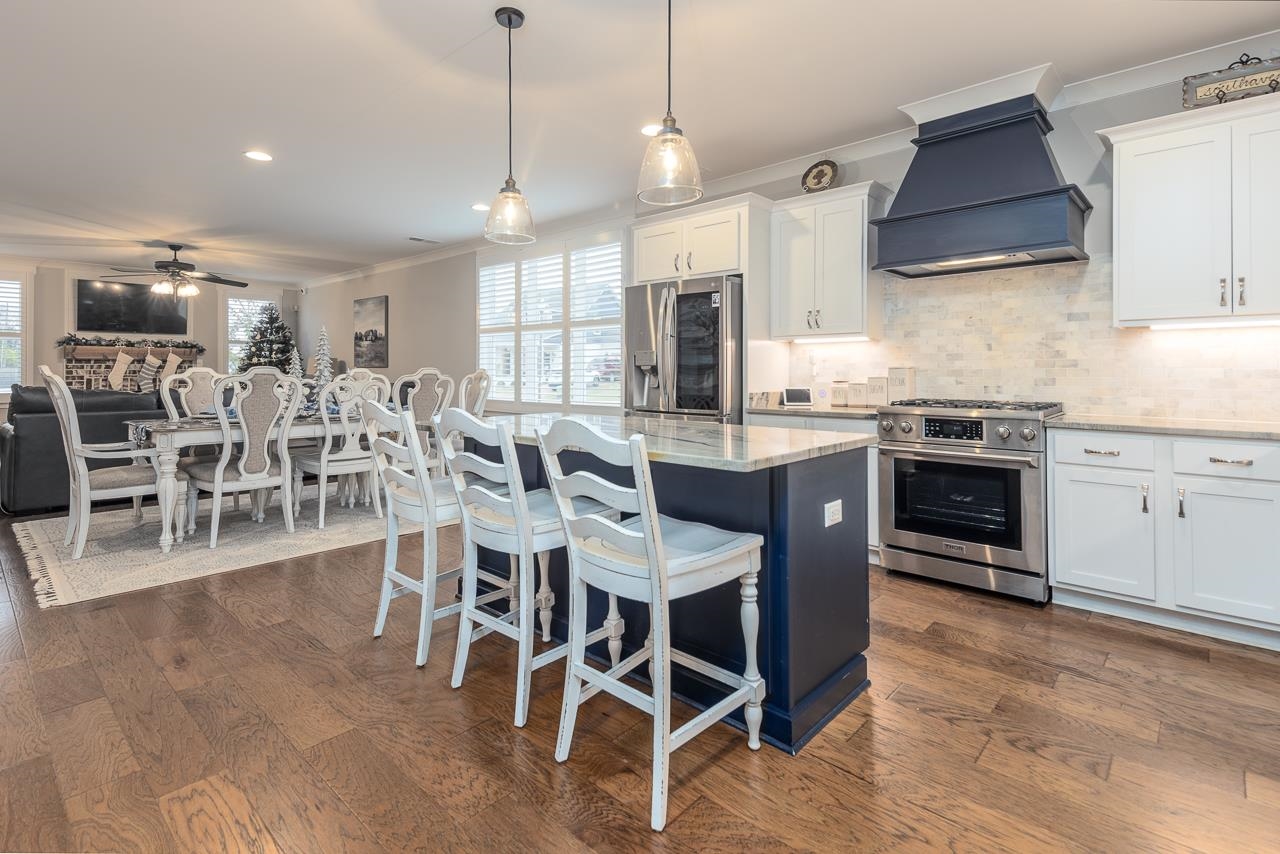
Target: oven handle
[{"x": 1029, "y": 462}]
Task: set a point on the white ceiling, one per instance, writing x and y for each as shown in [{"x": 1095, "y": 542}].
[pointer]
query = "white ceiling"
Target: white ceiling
[{"x": 123, "y": 122}]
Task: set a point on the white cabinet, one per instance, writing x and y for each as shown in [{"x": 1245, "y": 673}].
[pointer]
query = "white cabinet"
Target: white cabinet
[
  {"x": 1104, "y": 529},
  {"x": 1172, "y": 529},
  {"x": 702, "y": 245},
  {"x": 821, "y": 279},
  {"x": 1226, "y": 559},
  {"x": 1194, "y": 215}
]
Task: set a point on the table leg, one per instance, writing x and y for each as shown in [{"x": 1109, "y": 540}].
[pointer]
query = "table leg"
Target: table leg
[{"x": 167, "y": 489}]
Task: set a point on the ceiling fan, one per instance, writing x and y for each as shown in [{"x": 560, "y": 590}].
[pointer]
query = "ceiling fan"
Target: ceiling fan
[{"x": 177, "y": 278}]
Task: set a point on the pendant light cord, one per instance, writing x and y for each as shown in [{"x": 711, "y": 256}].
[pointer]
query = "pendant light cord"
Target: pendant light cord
[
  {"x": 668, "y": 57},
  {"x": 510, "y": 171}
]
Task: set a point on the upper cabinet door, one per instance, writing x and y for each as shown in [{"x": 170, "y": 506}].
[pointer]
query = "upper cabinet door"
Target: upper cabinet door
[
  {"x": 841, "y": 268},
  {"x": 1173, "y": 225},
  {"x": 711, "y": 243},
  {"x": 1256, "y": 179},
  {"x": 794, "y": 254},
  {"x": 658, "y": 252}
]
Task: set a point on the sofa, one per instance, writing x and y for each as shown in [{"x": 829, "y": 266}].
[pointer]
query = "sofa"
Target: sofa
[{"x": 33, "y": 465}]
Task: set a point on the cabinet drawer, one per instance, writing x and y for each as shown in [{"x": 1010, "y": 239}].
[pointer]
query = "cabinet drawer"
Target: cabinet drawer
[
  {"x": 1104, "y": 449},
  {"x": 1216, "y": 458}
]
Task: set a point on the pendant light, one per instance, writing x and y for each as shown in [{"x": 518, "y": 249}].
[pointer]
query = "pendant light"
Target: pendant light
[
  {"x": 669, "y": 174},
  {"x": 509, "y": 219}
]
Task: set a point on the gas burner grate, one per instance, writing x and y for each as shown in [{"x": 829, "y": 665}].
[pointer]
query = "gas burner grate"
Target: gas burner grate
[{"x": 1000, "y": 405}]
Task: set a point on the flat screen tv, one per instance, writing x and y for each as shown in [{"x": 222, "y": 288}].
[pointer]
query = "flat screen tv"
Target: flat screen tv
[{"x": 128, "y": 308}]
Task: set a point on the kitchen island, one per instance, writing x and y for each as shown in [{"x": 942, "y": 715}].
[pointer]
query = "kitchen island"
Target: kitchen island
[{"x": 805, "y": 492}]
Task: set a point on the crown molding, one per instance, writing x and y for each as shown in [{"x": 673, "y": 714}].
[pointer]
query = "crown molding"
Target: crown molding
[{"x": 1041, "y": 81}]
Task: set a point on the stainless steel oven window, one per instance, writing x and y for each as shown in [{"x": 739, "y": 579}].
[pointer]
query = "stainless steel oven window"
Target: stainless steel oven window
[{"x": 959, "y": 501}]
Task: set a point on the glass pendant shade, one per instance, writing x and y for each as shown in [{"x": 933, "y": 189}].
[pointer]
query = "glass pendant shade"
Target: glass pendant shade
[
  {"x": 164, "y": 287},
  {"x": 509, "y": 219},
  {"x": 669, "y": 173},
  {"x": 188, "y": 289}
]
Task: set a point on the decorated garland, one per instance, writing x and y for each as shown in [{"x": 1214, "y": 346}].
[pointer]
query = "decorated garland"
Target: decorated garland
[{"x": 73, "y": 340}]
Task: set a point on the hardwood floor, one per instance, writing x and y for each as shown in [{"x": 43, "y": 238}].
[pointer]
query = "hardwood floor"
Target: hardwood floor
[{"x": 253, "y": 711}]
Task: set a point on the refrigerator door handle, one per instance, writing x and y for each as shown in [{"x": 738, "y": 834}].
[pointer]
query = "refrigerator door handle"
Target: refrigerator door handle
[
  {"x": 669, "y": 347},
  {"x": 660, "y": 348}
]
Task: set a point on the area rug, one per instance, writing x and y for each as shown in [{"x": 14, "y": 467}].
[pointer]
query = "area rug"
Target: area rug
[{"x": 123, "y": 554}]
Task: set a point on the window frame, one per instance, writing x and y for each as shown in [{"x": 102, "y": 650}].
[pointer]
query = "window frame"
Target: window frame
[
  {"x": 565, "y": 246},
  {"x": 224, "y": 304},
  {"x": 26, "y": 277}
]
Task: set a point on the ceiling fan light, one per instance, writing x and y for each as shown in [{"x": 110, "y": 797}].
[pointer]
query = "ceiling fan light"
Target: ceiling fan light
[
  {"x": 164, "y": 287},
  {"x": 669, "y": 173},
  {"x": 188, "y": 289},
  {"x": 509, "y": 219}
]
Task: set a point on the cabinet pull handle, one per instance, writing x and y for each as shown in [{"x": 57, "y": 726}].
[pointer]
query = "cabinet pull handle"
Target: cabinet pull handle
[
  {"x": 1222, "y": 292},
  {"x": 688, "y": 262},
  {"x": 1225, "y": 462},
  {"x": 1240, "y": 301},
  {"x": 817, "y": 318},
  {"x": 676, "y": 264},
  {"x": 809, "y": 318},
  {"x": 1182, "y": 503},
  {"x": 1146, "y": 489},
  {"x": 1093, "y": 453}
]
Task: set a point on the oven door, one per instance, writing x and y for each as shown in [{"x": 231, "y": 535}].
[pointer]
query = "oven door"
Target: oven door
[{"x": 981, "y": 506}]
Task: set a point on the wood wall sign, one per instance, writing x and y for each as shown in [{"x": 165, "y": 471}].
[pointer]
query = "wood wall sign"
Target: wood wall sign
[{"x": 1247, "y": 76}]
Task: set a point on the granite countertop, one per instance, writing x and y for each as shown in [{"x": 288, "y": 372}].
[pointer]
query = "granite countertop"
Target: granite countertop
[
  {"x": 1168, "y": 426},
  {"x": 730, "y": 447},
  {"x": 856, "y": 413}
]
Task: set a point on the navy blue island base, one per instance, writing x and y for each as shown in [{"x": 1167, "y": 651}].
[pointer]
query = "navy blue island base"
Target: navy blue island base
[{"x": 814, "y": 624}]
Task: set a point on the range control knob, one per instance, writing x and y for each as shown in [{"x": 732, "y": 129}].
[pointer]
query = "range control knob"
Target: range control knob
[
  {"x": 1003, "y": 431},
  {"x": 1028, "y": 434},
  {"x": 886, "y": 426},
  {"x": 905, "y": 427}
]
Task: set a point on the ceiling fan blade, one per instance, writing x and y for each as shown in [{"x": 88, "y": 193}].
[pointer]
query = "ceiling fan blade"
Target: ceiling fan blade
[
  {"x": 134, "y": 269},
  {"x": 218, "y": 280},
  {"x": 126, "y": 275}
]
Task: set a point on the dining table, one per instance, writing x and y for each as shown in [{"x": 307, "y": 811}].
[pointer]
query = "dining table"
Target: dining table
[{"x": 169, "y": 437}]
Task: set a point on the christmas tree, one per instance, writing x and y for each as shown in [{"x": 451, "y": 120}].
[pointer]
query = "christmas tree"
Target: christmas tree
[
  {"x": 324, "y": 360},
  {"x": 270, "y": 341},
  {"x": 295, "y": 364}
]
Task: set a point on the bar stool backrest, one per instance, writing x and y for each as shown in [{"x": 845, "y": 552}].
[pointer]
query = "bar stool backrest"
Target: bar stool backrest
[
  {"x": 596, "y": 544},
  {"x": 490, "y": 494},
  {"x": 402, "y": 467}
]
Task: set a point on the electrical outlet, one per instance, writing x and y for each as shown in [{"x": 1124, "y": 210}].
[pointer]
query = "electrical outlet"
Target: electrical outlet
[{"x": 833, "y": 512}]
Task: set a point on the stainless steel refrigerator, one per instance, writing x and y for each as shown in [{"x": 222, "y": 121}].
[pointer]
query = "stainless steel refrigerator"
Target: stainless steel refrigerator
[{"x": 684, "y": 349}]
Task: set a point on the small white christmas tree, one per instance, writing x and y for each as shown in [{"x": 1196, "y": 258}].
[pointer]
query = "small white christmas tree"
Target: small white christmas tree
[
  {"x": 324, "y": 360},
  {"x": 295, "y": 364}
]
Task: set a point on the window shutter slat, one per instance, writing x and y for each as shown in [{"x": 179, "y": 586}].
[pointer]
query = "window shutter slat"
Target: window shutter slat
[
  {"x": 496, "y": 299},
  {"x": 10, "y": 333},
  {"x": 595, "y": 352}
]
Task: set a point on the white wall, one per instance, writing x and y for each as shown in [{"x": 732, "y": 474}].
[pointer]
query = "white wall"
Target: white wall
[{"x": 432, "y": 309}]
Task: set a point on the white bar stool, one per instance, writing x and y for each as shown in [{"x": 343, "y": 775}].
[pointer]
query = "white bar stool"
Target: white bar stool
[
  {"x": 412, "y": 495},
  {"x": 499, "y": 514},
  {"x": 654, "y": 559}
]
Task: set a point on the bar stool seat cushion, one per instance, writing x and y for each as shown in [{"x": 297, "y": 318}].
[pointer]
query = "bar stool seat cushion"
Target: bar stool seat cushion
[
  {"x": 690, "y": 547},
  {"x": 544, "y": 516}
]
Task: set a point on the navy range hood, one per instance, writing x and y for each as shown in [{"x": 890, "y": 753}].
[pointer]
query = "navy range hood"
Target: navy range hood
[{"x": 983, "y": 190}]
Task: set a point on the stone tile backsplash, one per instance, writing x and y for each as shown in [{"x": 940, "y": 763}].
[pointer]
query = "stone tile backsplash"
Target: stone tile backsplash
[{"x": 1045, "y": 333}]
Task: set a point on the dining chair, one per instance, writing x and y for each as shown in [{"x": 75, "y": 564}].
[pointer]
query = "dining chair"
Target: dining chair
[
  {"x": 650, "y": 558},
  {"x": 473, "y": 392},
  {"x": 413, "y": 496},
  {"x": 498, "y": 513},
  {"x": 101, "y": 484},
  {"x": 262, "y": 403},
  {"x": 193, "y": 389},
  {"x": 342, "y": 452},
  {"x": 425, "y": 393}
]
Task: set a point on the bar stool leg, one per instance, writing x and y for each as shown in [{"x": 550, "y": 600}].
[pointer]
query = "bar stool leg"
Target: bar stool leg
[
  {"x": 513, "y": 594},
  {"x": 466, "y": 625},
  {"x": 661, "y": 715},
  {"x": 546, "y": 599},
  {"x": 524, "y": 663},
  {"x": 614, "y": 623},
  {"x": 388, "y": 564},
  {"x": 577, "y": 655},
  {"x": 427, "y": 615},
  {"x": 753, "y": 713}
]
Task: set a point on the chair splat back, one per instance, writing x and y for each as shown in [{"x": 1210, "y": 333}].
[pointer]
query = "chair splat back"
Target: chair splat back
[
  {"x": 345, "y": 428},
  {"x": 473, "y": 392},
  {"x": 264, "y": 399},
  {"x": 426, "y": 393},
  {"x": 195, "y": 391},
  {"x": 487, "y": 491},
  {"x": 591, "y": 537}
]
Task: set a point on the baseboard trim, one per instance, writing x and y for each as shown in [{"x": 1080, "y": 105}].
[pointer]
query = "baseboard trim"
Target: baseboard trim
[{"x": 1192, "y": 623}]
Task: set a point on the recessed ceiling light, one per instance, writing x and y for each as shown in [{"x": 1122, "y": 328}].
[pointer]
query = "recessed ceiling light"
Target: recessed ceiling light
[
  {"x": 260, "y": 156},
  {"x": 479, "y": 206},
  {"x": 651, "y": 130}
]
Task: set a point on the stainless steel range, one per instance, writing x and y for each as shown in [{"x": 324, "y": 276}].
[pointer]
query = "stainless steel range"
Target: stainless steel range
[{"x": 963, "y": 492}]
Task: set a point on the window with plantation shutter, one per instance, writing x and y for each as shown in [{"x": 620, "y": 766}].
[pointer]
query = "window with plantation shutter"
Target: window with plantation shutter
[
  {"x": 11, "y": 332},
  {"x": 550, "y": 327}
]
